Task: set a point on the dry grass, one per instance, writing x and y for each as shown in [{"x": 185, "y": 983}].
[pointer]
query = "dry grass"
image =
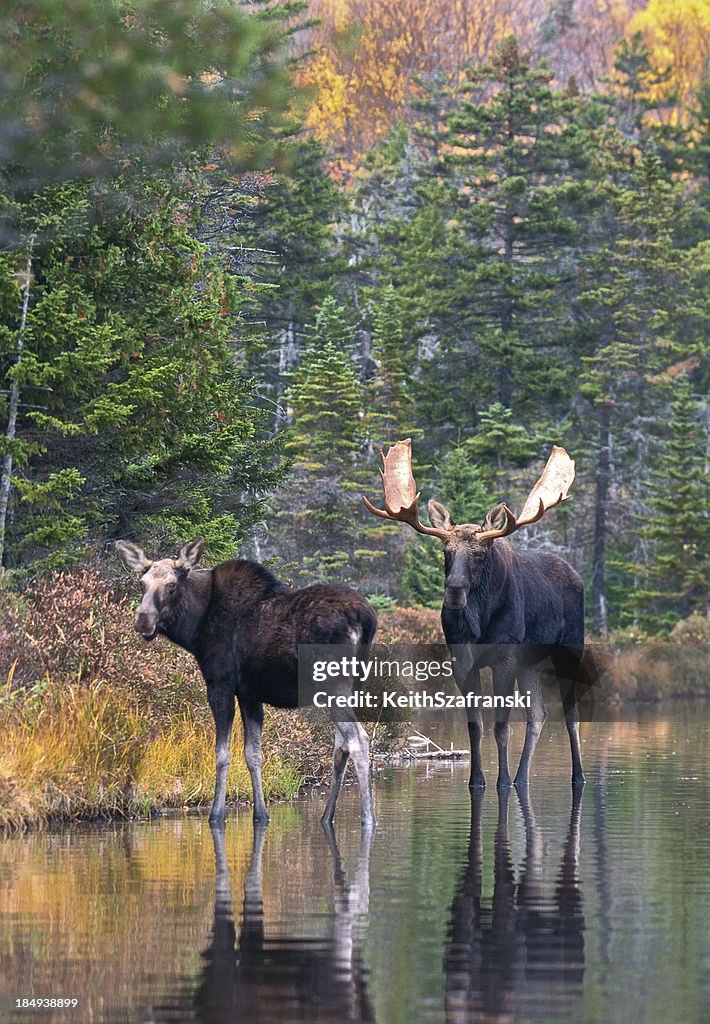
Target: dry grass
[
  {"x": 410, "y": 626},
  {"x": 91, "y": 750}
]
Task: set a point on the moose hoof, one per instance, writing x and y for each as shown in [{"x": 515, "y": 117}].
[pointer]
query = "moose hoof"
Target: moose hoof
[
  {"x": 477, "y": 782},
  {"x": 218, "y": 820},
  {"x": 578, "y": 780}
]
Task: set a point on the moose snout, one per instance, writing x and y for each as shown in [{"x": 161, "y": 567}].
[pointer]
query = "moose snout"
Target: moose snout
[
  {"x": 455, "y": 596},
  {"x": 146, "y": 623}
]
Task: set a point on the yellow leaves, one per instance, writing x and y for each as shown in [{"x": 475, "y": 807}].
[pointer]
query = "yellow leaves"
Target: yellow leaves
[
  {"x": 334, "y": 105},
  {"x": 678, "y": 34},
  {"x": 369, "y": 57}
]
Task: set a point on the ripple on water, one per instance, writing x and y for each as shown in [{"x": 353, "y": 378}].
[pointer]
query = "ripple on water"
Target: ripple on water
[{"x": 461, "y": 909}]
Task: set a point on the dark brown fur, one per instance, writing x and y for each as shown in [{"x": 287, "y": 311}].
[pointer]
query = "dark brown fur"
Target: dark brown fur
[
  {"x": 509, "y": 610},
  {"x": 244, "y": 628}
]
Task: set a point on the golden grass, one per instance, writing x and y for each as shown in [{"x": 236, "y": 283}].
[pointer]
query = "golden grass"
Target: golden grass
[{"x": 92, "y": 750}]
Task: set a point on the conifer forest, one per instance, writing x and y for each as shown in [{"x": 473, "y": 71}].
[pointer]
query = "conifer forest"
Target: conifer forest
[{"x": 243, "y": 246}]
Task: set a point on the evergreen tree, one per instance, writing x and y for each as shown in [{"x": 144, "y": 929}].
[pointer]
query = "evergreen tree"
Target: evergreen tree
[
  {"x": 635, "y": 277},
  {"x": 133, "y": 417},
  {"x": 91, "y": 87},
  {"x": 315, "y": 515},
  {"x": 325, "y": 397},
  {"x": 285, "y": 243},
  {"x": 518, "y": 152},
  {"x": 390, "y": 412},
  {"x": 676, "y": 528}
]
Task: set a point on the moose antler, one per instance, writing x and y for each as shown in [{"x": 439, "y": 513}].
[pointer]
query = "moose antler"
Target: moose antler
[
  {"x": 552, "y": 488},
  {"x": 401, "y": 495}
]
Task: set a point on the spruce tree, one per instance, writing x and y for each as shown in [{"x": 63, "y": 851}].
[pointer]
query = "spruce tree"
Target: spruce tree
[
  {"x": 517, "y": 153},
  {"x": 390, "y": 411},
  {"x": 315, "y": 514},
  {"x": 284, "y": 241},
  {"x": 635, "y": 278},
  {"x": 676, "y": 528},
  {"x": 134, "y": 419},
  {"x": 325, "y": 397}
]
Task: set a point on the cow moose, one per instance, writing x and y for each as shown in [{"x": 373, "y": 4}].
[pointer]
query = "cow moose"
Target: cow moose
[
  {"x": 505, "y": 609},
  {"x": 244, "y": 627}
]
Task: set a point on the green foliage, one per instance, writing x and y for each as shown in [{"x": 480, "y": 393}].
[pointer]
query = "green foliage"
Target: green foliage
[
  {"x": 326, "y": 396},
  {"x": 134, "y": 418},
  {"x": 88, "y": 86},
  {"x": 676, "y": 527},
  {"x": 382, "y": 602},
  {"x": 326, "y": 400},
  {"x": 390, "y": 411}
]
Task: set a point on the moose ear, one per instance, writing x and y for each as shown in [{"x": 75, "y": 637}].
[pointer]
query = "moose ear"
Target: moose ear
[
  {"x": 439, "y": 516},
  {"x": 132, "y": 556},
  {"x": 497, "y": 518},
  {"x": 190, "y": 554}
]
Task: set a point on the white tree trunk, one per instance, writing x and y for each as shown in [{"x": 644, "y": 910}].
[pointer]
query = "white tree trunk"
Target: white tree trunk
[{"x": 13, "y": 407}]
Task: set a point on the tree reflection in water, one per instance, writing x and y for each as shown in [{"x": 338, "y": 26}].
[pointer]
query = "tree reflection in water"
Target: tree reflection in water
[{"x": 520, "y": 952}]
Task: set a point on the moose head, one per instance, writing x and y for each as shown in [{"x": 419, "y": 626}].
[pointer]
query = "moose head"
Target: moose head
[
  {"x": 467, "y": 546},
  {"x": 162, "y": 583}
]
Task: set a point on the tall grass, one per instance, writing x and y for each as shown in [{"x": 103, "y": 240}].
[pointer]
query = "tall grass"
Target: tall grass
[{"x": 92, "y": 750}]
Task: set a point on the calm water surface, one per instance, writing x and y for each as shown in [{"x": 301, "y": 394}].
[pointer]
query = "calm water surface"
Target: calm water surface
[{"x": 457, "y": 911}]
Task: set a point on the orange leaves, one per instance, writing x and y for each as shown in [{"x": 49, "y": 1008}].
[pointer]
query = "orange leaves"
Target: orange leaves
[{"x": 370, "y": 58}]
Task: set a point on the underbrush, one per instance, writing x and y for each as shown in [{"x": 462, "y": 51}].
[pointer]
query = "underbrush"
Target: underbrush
[{"x": 641, "y": 668}]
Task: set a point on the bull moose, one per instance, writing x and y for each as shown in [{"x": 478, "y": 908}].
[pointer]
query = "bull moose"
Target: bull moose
[
  {"x": 505, "y": 609},
  {"x": 244, "y": 627}
]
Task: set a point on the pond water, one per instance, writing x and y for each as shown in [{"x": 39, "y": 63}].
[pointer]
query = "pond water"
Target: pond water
[{"x": 549, "y": 909}]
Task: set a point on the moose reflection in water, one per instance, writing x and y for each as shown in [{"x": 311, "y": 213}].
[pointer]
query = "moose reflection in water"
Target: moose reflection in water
[
  {"x": 259, "y": 977},
  {"x": 523, "y": 947}
]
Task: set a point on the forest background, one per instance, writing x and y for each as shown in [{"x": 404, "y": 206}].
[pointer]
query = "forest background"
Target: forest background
[{"x": 243, "y": 246}]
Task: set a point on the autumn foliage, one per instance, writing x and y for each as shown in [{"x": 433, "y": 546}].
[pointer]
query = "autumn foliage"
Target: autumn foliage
[{"x": 370, "y": 62}]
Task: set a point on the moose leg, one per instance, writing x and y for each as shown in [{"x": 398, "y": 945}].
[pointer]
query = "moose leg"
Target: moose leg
[
  {"x": 529, "y": 679},
  {"x": 253, "y": 721},
  {"x": 503, "y": 686},
  {"x": 221, "y": 701},
  {"x": 351, "y": 741},
  {"x": 468, "y": 680},
  {"x": 360, "y": 753},
  {"x": 475, "y": 732},
  {"x": 340, "y": 760},
  {"x": 568, "y": 663}
]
